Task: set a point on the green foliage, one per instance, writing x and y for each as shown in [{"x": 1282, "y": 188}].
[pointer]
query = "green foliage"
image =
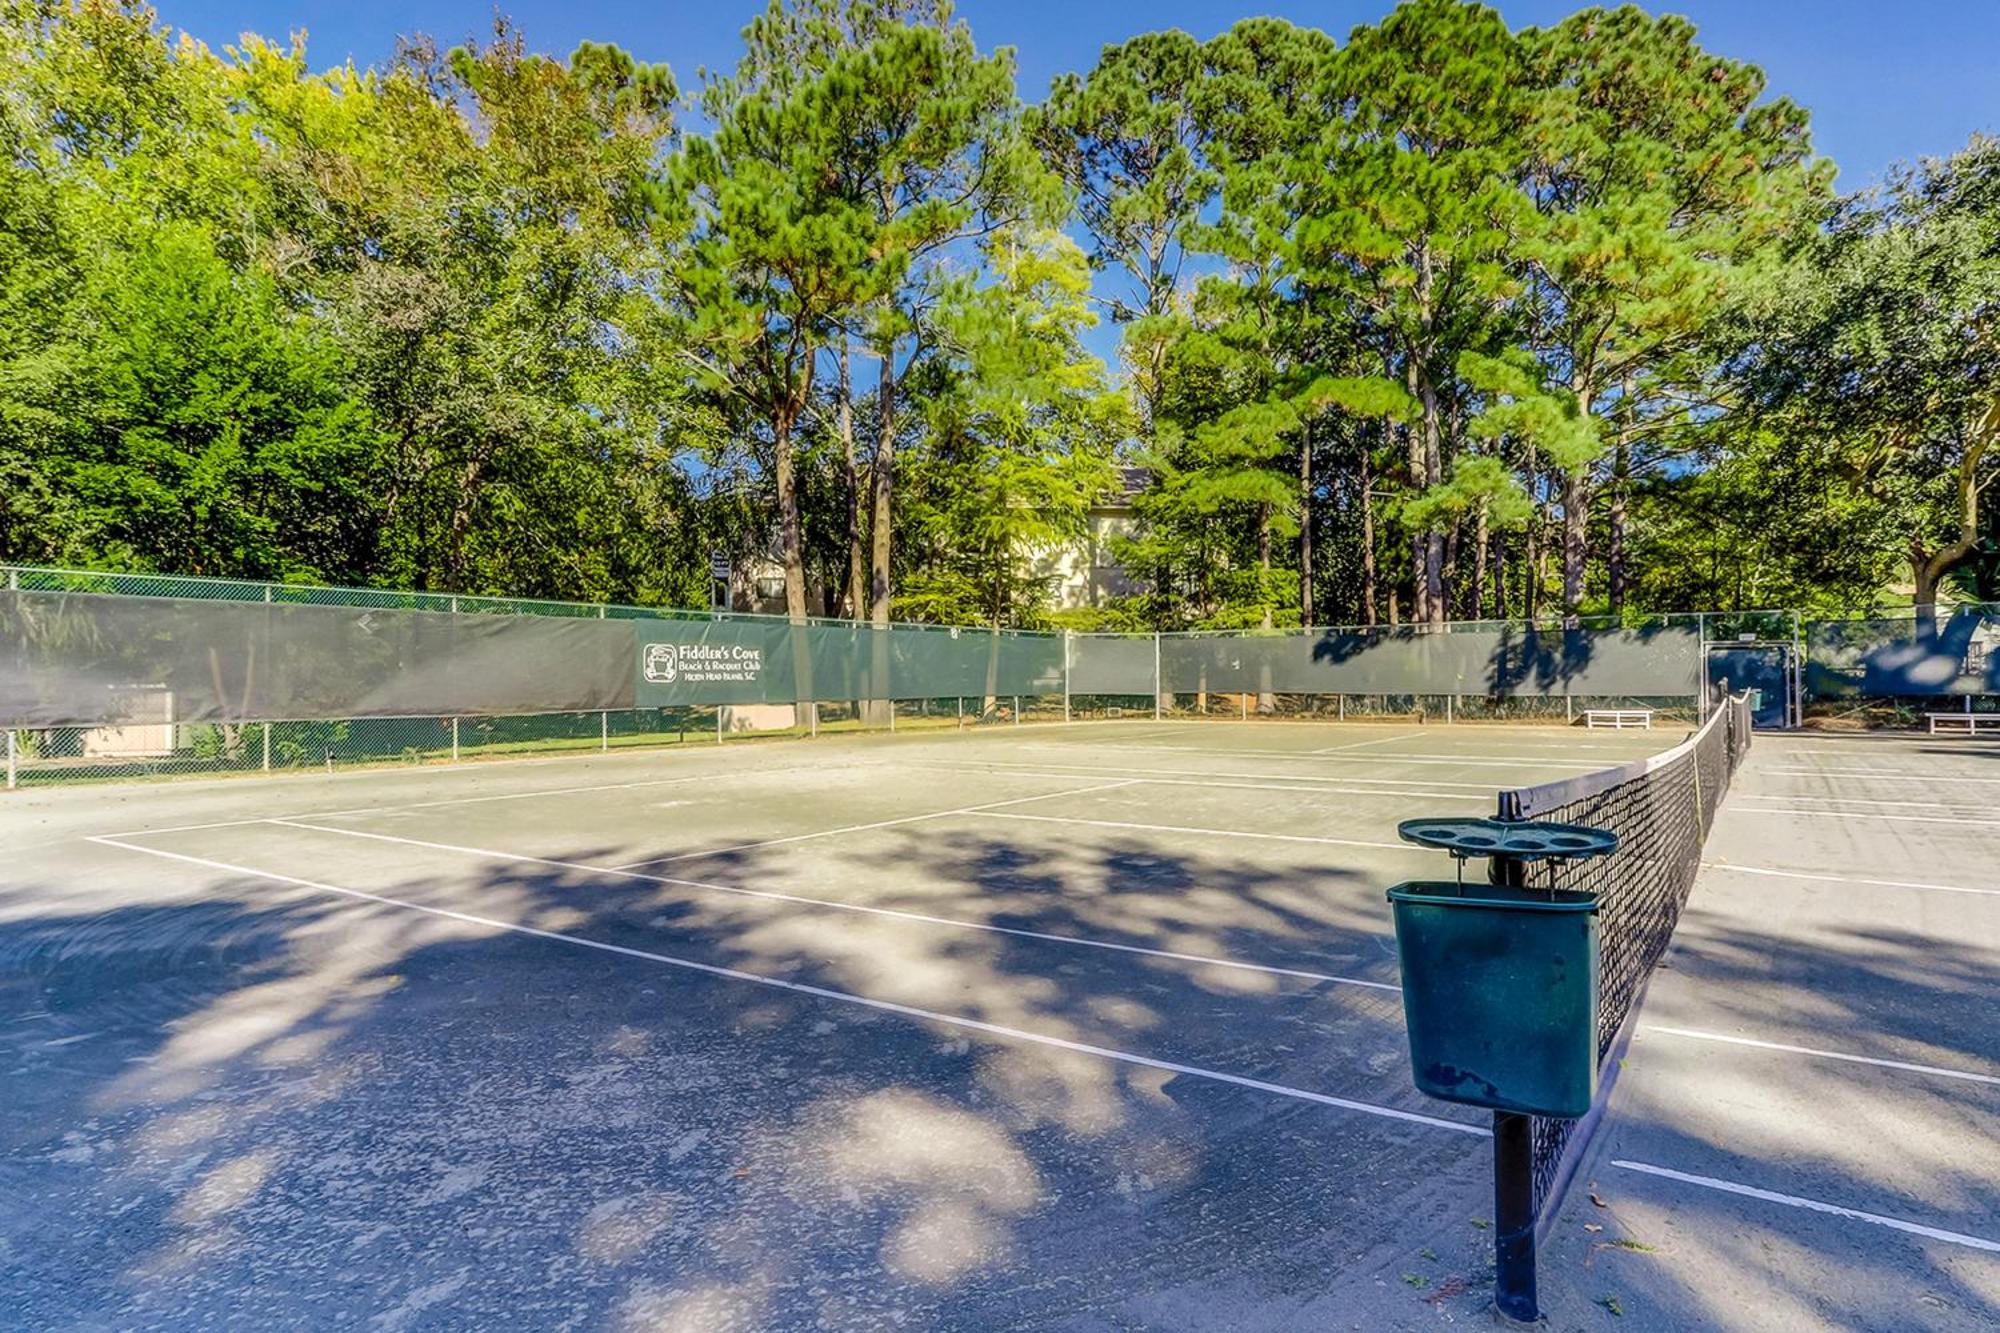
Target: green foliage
[{"x": 1449, "y": 319}]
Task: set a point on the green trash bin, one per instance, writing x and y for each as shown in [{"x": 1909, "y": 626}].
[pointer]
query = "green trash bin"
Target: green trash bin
[{"x": 1500, "y": 993}]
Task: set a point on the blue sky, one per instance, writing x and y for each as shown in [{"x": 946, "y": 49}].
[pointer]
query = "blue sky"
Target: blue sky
[{"x": 1885, "y": 81}]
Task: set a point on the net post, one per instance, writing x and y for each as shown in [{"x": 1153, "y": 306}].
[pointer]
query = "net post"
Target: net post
[
  {"x": 1156, "y": 677},
  {"x": 267, "y": 746},
  {"x": 718, "y": 724},
  {"x": 1569, "y": 705},
  {"x": 961, "y": 712},
  {"x": 1244, "y": 699},
  {"x": 1449, "y": 701},
  {"x": 1514, "y": 1217},
  {"x": 454, "y": 740},
  {"x": 1340, "y": 703},
  {"x": 13, "y": 755},
  {"x": 603, "y": 730},
  {"x": 1017, "y": 710}
]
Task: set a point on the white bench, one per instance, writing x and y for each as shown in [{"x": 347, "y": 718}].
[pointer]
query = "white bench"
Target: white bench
[
  {"x": 1968, "y": 723},
  {"x": 1618, "y": 717}
]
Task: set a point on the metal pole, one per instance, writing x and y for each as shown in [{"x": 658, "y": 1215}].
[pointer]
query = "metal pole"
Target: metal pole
[
  {"x": 813, "y": 716},
  {"x": 1156, "y": 677},
  {"x": 454, "y": 740},
  {"x": 1701, "y": 667},
  {"x": 1449, "y": 699},
  {"x": 1017, "y": 708},
  {"x": 1569, "y": 706},
  {"x": 1341, "y": 703},
  {"x": 961, "y": 712},
  {"x": 13, "y": 761},
  {"x": 1245, "y": 697},
  {"x": 267, "y": 747},
  {"x": 1065, "y": 675},
  {"x": 718, "y": 724},
  {"x": 892, "y": 715},
  {"x": 1514, "y": 1217},
  {"x": 603, "y": 730}
]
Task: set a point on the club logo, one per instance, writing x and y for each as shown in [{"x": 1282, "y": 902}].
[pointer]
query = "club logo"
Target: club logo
[{"x": 663, "y": 665}]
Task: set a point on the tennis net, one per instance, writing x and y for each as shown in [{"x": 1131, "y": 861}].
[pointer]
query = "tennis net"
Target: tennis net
[{"x": 1661, "y": 808}]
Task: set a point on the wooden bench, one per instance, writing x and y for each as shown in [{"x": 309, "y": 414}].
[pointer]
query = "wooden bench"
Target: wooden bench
[
  {"x": 1968, "y": 723},
  {"x": 1618, "y": 717}
]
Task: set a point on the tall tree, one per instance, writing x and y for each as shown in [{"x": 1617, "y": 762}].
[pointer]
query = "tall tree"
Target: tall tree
[
  {"x": 1411, "y": 216},
  {"x": 1875, "y": 363},
  {"x": 1659, "y": 175}
]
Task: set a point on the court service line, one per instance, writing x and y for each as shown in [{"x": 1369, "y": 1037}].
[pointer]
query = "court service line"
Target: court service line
[
  {"x": 1379, "y": 758},
  {"x": 803, "y": 900},
  {"x": 1377, "y": 740},
  {"x": 1152, "y": 778},
  {"x": 1388, "y": 786},
  {"x": 1848, "y": 879},
  {"x": 1936, "y": 1070},
  {"x": 1812, "y": 1205},
  {"x": 827, "y": 993},
  {"x": 1860, "y": 800},
  {"x": 1868, "y": 814},
  {"x": 878, "y": 824},
  {"x": 1206, "y": 832},
  {"x": 717, "y": 775},
  {"x": 1875, "y": 774}
]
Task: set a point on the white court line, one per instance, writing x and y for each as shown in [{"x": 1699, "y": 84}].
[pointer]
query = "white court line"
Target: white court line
[
  {"x": 1208, "y": 832},
  {"x": 1377, "y": 740},
  {"x": 1813, "y": 1205},
  {"x": 1942, "y": 780},
  {"x": 717, "y": 775},
  {"x": 1153, "y": 778},
  {"x": 825, "y": 993},
  {"x": 1868, "y": 814},
  {"x": 803, "y": 900},
  {"x": 878, "y": 824},
  {"x": 1936, "y": 1070},
  {"x": 1859, "y": 800},
  {"x": 1848, "y": 879},
  {"x": 1387, "y": 786},
  {"x": 1377, "y": 759}
]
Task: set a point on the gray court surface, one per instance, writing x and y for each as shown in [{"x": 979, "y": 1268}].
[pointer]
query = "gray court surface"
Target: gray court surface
[
  {"x": 1086, "y": 1027},
  {"x": 1807, "y": 1132}
]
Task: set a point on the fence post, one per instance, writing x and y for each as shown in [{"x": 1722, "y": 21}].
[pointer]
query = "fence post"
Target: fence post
[
  {"x": 603, "y": 730},
  {"x": 1449, "y": 700},
  {"x": 1245, "y": 697},
  {"x": 1340, "y": 702},
  {"x": 1156, "y": 676},
  {"x": 892, "y": 715},
  {"x": 718, "y": 724},
  {"x": 267, "y": 747},
  {"x": 454, "y": 740},
  {"x": 1065, "y": 675},
  {"x": 1017, "y": 708},
  {"x": 13, "y": 762},
  {"x": 961, "y": 712}
]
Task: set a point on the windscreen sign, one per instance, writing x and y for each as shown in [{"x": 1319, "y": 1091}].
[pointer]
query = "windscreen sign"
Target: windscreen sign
[{"x": 692, "y": 662}]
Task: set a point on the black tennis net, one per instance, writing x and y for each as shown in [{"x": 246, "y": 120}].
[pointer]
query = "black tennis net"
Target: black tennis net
[{"x": 1661, "y": 808}]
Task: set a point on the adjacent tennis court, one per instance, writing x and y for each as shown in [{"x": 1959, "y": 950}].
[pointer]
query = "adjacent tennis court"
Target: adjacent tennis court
[{"x": 1090, "y": 1026}]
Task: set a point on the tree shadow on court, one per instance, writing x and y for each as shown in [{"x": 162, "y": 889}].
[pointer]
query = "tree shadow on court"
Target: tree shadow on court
[
  {"x": 283, "y": 1106},
  {"x": 1897, "y": 1143},
  {"x": 277, "y": 1104}
]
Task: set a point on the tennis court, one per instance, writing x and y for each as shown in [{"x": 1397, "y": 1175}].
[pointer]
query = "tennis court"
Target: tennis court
[{"x": 1089, "y": 1026}]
